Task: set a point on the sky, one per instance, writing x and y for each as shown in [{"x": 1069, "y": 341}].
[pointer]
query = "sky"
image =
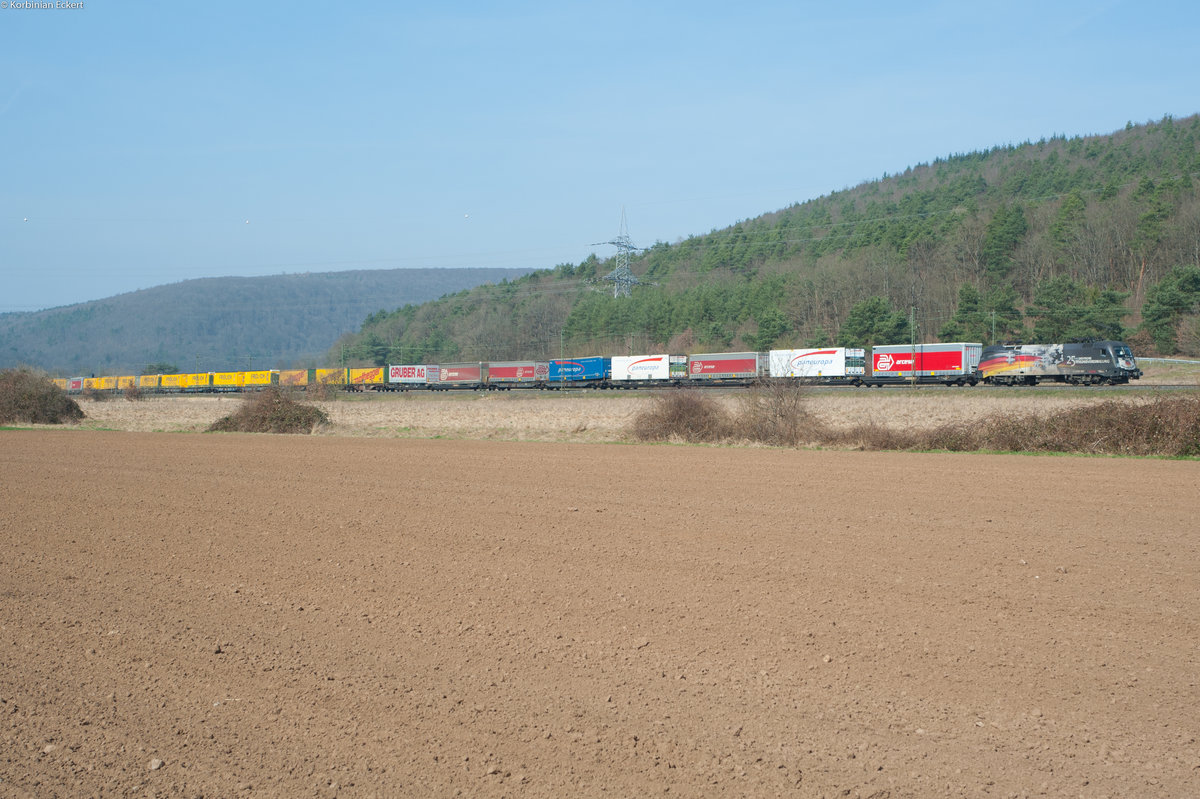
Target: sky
[{"x": 145, "y": 143}]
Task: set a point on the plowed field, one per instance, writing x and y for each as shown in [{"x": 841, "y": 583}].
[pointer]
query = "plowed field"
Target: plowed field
[{"x": 219, "y": 615}]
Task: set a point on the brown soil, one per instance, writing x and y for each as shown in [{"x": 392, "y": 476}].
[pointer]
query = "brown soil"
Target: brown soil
[{"x": 186, "y": 615}]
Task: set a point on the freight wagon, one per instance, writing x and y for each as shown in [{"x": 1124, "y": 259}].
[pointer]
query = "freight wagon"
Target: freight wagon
[
  {"x": 952, "y": 364},
  {"x": 402, "y": 377},
  {"x": 457, "y": 375},
  {"x": 505, "y": 375},
  {"x": 365, "y": 379},
  {"x": 729, "y": 368},
  {"x": 827, "y": 364},
  {"x": 590, "y": 372},
  {"x": 641, "y": 367}
]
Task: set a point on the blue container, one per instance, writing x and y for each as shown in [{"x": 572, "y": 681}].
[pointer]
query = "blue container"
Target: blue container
[{"x": 568, "y": 370}]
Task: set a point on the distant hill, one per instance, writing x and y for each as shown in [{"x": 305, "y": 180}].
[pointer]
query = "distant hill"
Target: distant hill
[
  {"x": 222, "y": 324},
  {"x": 1059, "y": 239}
]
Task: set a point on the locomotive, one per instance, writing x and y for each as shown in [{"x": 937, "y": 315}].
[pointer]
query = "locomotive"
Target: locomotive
[{"x": 1079, "y": 363}]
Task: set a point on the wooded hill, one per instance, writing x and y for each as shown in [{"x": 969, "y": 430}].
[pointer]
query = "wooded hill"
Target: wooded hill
[
  {"x": 221, "y": 324},
  {"x": 1060, "y": 239}
]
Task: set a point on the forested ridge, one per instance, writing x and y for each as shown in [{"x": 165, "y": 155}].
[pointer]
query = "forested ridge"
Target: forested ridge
[
  {"x": 1059, "y": 239},
  {"x": 220, "y": 324}
]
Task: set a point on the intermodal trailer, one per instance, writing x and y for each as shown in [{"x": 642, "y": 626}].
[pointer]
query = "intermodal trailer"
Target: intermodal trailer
[
  {"x": 641, "y": 367},
  {"x": 227, "y": 381},
  {"x": 253, "y": 381},
  {"x": 175, "y": 382},
  {"x": 727, "y": 367},
  {"x": 327, "y": 377},
  {"x": 824, "y": 364},
  {"x": 293, "y": 377},
  {"x": 198, "y": 381},
  {"x": 516, "y": 374},
  {"x": 366, "y": 379},
  {"x": 149, "y": 382},
  {"x": 104, "y": 383},
  {"x": 590, "y": 371},
  {"x": 458, "y": 375},
  {"x": 953, "y": 364},
  {"x": 403, "y": 377}
]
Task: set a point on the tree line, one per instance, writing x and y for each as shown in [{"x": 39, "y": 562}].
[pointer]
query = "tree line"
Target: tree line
[{"x": 1064, "y": 238}]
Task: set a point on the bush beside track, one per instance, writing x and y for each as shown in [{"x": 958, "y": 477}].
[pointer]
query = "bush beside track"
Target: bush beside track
[
  {"x": 271, "y": 411},
  {"x": 31, "y": 397}
]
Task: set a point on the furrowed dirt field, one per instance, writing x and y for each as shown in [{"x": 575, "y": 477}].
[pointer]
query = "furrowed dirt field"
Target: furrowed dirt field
[{"x": 220, "y": 615}]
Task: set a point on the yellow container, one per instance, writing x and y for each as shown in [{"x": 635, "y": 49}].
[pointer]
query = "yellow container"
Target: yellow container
[
  {"x": 372, "y": 376},
  {"x": 332, "y": 377},
  {"x": 259, "y": 379}
]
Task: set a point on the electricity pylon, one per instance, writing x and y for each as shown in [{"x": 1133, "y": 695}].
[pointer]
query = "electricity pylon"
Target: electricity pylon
[{"x": 622, "y": 279}]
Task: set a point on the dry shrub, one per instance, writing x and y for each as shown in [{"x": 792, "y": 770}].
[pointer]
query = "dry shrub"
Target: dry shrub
[
  {"x": 94, "y": 395},
  {"x": 1163, "y": 426},
  {"x": 271, "y": 411},
  {"x": 685, "y": 414},
  {"x": 776, "y": 413},
  {"x": 769, "y": 413},
  {"x": 322, "y": 392},
  {"x": 133, "y": 392},
  {"x": 29, "y": 396},
  {"x": 871, "y": 435},
  {"x": 1168, "y": 426}
]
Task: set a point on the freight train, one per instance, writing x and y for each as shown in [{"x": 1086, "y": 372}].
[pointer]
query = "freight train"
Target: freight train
[{"x": 951, "y": 364}]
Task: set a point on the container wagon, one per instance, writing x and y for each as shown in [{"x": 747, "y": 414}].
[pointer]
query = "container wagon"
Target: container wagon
[
  {"x": 626, "y": 368},
  {"x": 457, "y": 376},
  {"x": 405, "y": 377},
  {"x": 590, "y": 372},
  {"x": 826, "y": 365},
  {"x": 506, "y": 375},
  {"x": 951, "y": 364},
  {"x": 730, "y": 368}
]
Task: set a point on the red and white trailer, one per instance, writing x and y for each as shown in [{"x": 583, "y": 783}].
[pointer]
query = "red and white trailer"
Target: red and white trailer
[
  {"x": 517, "y": 374},
  {"x": 726, "y": 366},
  {"x": 954, "y": 363},
  {"x": 402, "y": 377},
  {"x": 457, "y": 375}
]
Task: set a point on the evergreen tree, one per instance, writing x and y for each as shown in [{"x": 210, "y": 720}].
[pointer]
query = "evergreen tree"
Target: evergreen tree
[
  {"x": 1065, "y": 310},
  {"x": 1004, "y": 320},
  {"x": 969, "y": 320},
  {"x": 1004, "y": 233},
  {"x": 1167, "y": 301},
  {"x": 872, "y": 322}
]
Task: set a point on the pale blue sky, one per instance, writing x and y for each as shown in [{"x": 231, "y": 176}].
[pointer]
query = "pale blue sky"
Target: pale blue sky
[{"x": 152, "y": 142}]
